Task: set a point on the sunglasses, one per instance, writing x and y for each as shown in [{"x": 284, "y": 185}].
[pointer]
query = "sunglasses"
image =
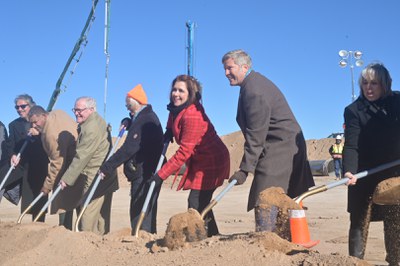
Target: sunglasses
[{"x": 22, "y": 106}]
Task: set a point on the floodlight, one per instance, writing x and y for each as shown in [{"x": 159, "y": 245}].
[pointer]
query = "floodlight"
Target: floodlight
[
  {"x": 343, "y": 53},
  {"x": 343, "y": 63},
  {"x": 357, "y": 54},
  {"x": 359, "y": 62}
]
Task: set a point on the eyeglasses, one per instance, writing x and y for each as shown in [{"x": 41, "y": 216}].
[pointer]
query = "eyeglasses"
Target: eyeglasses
[
  {"x": 22, "y": 106},
  {"x": 128, "y": 105},
  {"x": 77, "y": 110}
]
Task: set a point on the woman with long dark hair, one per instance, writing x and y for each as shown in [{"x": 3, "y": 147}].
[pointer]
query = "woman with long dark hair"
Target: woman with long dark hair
[{"x": 200, "y": 148}]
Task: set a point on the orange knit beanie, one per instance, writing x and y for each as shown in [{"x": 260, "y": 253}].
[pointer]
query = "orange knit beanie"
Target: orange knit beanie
[{"x": 138, "y": 94}]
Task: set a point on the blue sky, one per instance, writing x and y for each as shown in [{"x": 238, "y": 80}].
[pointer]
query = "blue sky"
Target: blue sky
[{"x": 292, "y": 42}]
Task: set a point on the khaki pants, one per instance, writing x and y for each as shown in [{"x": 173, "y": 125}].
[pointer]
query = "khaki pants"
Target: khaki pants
[{"x": 96, "y": 217}]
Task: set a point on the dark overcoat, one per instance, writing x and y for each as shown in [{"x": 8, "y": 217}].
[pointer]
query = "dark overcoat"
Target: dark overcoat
[
  {"x": 372, "y": 138},
  {"x": 140, "y": 154},
  {"x": 141, "y": 149},
  {"x": 275, "y": 149},
  {"x": 32, "y": 169},
  {"x": 3, "y": 143}
]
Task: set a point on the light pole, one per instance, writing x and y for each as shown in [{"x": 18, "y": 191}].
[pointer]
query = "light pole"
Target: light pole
[{"x": 347, "y": 58}]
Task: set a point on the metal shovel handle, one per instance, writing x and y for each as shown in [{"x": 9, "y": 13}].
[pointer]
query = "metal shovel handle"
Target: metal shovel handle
[
  {"x": 44, "y": 208},
  {"x": 87, "y": 201},
  {"x": 144, "y": 209},
  {"x": 97, "y": 182},
  {"x": 12, "y": 167},
  {"x": 344, "y": 180},
  {"x": 218, "y": 198},
  {"x": 150, "y": 192},
  {"x": 29, "y": 207}
]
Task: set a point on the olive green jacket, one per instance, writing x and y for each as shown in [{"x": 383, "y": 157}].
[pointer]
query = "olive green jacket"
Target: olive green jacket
[{"x": 93, "y": 145}]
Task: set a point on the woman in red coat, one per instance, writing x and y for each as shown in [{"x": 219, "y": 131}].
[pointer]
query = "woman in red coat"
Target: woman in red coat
[{"x": 205, "y": 155}]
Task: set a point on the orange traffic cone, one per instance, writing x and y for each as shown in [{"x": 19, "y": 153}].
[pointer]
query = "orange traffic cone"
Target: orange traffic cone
[{"x": 299, "y": 229}]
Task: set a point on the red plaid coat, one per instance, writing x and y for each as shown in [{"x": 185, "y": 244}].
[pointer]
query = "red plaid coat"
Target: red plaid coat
[{"x": 205, "y": 155}]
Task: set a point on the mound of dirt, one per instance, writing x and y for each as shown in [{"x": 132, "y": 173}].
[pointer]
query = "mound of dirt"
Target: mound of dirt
[
  {"x": 183, "y": 228},
  {"x": 40, "y": 244},
  {"x": 318, "y": 149}
]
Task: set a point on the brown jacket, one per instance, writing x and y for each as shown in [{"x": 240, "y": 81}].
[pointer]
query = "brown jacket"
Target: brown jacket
[{"x": 59, "y": 142}]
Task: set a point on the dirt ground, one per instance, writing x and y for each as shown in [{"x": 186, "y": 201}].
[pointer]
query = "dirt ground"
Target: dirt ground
[{"x": 48, "y": 244}]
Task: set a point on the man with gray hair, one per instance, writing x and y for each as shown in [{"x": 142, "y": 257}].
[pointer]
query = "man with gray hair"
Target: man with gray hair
[
  {"x": 30, "y": 169},
  {"x": 274, "y": 149},
  {"x": 93, "y": 145}
]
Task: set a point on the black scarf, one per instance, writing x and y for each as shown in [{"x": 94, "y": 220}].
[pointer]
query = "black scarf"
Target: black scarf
[{"x": 175, "y": 110}]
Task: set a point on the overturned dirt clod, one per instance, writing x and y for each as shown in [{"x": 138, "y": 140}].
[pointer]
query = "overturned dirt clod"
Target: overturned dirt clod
[{"x": 183, "y": 228}]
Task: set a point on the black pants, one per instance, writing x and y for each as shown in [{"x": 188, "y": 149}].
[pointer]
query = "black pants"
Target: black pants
[
  {"x": 198, "y": 200},
  {"x": 139, "y": 190},
  {"x": 359, "y": 224}
]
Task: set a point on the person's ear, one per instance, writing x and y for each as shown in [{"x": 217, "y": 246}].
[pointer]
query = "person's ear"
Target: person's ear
[{"x": 245, "y": 68}]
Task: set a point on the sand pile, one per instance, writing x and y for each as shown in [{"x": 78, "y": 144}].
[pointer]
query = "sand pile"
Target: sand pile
[
  {"x": 183, "y": 228},
  {"x": 40, "y": 244},
  {"x": 388, "y": 192}
]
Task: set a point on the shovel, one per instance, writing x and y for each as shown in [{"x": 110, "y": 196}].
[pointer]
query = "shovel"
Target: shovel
[
  {"x": 30, "y": 207},
  {"x": 44, "y": 208},
  {"x": 344, "y": 180},
  {"x": 217, "y": 198},
  {"x": 190, "y": 226},
  {"x": 12, "y": 167},
  {"x": 97, "y": 180},
  {"x": 150, "y": 192}
]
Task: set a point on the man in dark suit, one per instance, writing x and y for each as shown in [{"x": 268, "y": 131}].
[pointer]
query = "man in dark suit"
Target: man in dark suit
[
  {"x": 274, "y": 149},
  {"x": 26, "y": 180}
]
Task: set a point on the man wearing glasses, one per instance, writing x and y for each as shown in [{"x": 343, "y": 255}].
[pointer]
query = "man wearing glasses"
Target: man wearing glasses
[
  {"x": 92, "y": 148},
  {"x": 30, "y": 171}
]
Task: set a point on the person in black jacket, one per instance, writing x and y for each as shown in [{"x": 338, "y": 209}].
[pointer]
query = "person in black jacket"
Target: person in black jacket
[
  {"x": 26, "y": 180},
  {"x": 372, "y": 138},
  {"x": 140, "y": 154},
  {"x": 3, "y": 142}
]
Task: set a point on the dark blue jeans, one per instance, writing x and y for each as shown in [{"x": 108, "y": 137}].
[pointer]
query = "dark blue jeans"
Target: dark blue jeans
[{"x": 338, "y": 167}]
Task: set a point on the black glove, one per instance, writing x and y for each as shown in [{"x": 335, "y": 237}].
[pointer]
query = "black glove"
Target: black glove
[
  {"x": 126, "y": 122},
  {"x": 240, "y": 176},
  {"x": 105, "y": 170},
  {"x": 168, "y": 136},
  {"x": 157, "y": 179}
]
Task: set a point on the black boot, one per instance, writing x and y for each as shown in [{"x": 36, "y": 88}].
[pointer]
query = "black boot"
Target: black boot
[{"x": 356, "y": 243}]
